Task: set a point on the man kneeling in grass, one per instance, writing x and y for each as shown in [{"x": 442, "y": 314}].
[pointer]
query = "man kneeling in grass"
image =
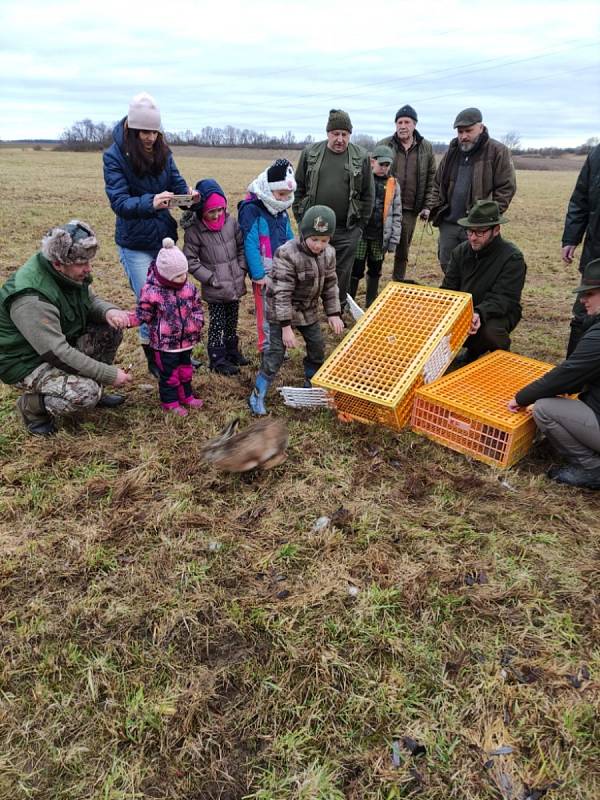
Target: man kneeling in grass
[
  {"x": 57, "y": 339},
  {"x": 573, "y": 426}
]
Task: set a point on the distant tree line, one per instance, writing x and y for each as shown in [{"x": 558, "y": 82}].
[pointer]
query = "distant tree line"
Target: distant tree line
[{"x": 88, "y": 135}]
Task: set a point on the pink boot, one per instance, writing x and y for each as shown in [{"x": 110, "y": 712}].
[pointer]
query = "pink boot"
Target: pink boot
[
  {"x": 174, "y": 408},
  {"x": 192, "y": 402}
]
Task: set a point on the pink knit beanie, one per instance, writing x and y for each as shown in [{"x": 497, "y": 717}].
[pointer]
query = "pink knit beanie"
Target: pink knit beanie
[
  {"x": 170, "y": 261},
  {"x": 143, "y": 113},
  {"x": 214, "y": 200}
]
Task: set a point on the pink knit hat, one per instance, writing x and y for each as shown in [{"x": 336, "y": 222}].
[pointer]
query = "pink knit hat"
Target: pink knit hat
[{"x": 170, "y": 261}]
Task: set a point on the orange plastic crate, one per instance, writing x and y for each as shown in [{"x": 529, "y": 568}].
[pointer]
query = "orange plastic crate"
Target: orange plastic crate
[
  {"x": 467, "y": 409},
  {"x": 407, "y": 337}
]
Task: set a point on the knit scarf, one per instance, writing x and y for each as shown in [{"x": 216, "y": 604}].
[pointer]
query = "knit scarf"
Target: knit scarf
[{"x": 260, "y": 187}]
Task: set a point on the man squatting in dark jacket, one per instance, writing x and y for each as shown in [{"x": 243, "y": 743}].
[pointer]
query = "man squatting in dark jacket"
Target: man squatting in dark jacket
[
  {"x": 57, "y": 338},
  {"x": 573, "y": 426},
  {"x": 493, "y": 271},
  {"x": 583, "y": 222},
  {"x": 475, "y": 167}
]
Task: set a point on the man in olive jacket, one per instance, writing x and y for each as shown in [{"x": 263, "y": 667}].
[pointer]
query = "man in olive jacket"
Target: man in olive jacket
[
  {"x": 493, "y": 271},
  {"x": 583, "y": 222},
  {"x": 57, "y": 339},
  {"x": 337, "y": 174},
  {"x": 414, "y": 168},
  {"x": 475, "y": 167}
]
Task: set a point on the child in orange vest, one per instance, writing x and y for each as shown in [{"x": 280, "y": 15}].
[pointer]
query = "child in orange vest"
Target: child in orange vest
[{"x": 382, "y": 233}]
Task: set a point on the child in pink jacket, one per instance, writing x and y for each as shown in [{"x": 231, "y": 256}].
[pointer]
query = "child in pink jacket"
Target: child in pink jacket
[{"x": 170, "y": 305}]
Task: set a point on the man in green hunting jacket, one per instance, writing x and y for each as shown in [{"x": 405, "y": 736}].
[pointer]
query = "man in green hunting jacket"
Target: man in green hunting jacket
[
  {"x": 414, "y": 167},
  {"x": 337, "y": 174},
  {"x": 57, "y": 339}
]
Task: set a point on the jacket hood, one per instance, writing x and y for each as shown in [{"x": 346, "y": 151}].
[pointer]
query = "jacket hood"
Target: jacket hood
[{"x": 118, "y": 135}]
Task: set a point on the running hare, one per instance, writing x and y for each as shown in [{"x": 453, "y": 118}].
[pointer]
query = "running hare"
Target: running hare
[{"x": 261, "y": 445}]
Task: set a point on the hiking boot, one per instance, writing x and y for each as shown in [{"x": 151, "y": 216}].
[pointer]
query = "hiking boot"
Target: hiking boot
[
  {"x": 233, "y": 354},
  {"x": 572, "y": 475},
  {"x": 220, "y": 363},
  {"x": 33, "y": 412},
  {"x": 111, "y": 400}
]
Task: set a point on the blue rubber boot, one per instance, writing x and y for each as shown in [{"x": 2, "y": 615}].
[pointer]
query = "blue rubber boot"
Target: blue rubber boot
[{"x": 256, "y": 401}]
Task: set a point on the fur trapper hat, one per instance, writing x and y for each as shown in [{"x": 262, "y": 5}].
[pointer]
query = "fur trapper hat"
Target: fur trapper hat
[{"x": 73, "y": 243}]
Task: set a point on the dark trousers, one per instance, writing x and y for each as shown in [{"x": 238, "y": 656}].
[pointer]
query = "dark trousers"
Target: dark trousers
[
  {"x": 451, "y": 235},
  {"x": 223, "y": 321},
  {"x": 272, "y": 359},
  {"x": 492, "y": 335},
  {"x": 344, "y": 241},
  {"x": 409, "y": 220},
  {"x": 175, "y": 380}
]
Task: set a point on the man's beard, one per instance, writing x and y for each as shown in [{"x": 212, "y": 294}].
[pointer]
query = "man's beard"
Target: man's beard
[{"x": 466, "y": 147}]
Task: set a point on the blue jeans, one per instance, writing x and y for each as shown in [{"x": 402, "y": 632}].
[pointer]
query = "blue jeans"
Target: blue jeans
[{"x": 136, "y": 264}]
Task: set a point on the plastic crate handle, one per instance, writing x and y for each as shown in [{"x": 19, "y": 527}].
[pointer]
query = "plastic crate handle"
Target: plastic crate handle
[{"x": 459, "y": 423}]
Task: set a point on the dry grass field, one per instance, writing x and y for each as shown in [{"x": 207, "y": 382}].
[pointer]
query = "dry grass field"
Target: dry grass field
[{"x": 171, "y": 632}]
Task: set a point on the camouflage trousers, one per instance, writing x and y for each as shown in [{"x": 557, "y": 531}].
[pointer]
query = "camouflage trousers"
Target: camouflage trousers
[{"x": 70, "y": 394}]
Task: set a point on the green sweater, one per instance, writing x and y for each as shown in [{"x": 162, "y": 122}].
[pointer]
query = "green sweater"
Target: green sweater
[{"x": 42, "y": 314}]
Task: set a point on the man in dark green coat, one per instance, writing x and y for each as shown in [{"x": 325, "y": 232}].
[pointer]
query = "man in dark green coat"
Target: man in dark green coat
[
  {"x": 57, "y": 339},
  {"x": 337, "y": 174},
  {"x": 583, "y": 223},
  {"x": 493, "y": 271},
  {"x": 573, "y": 426},
  {"x": 414, "y": 168}
]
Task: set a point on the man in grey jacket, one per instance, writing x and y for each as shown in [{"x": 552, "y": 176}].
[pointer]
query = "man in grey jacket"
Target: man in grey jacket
[
  {"x": 337, "y": 174},
  {"x": 57, "y": 338}
]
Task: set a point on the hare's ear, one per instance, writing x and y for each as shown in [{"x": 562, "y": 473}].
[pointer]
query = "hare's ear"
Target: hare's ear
[{"x": 229, "y": 430}]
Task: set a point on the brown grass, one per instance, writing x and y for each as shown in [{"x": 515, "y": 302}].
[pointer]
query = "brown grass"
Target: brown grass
[{"x": 169, "y": 631}]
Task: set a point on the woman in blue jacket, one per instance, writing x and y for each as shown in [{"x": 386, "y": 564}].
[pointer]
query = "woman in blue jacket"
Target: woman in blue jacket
[{"x": 140, "y": 177}]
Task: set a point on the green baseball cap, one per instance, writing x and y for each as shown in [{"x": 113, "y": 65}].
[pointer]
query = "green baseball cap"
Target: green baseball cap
[
  {"x": 591, "y": 277},
  {"x": 468, "y": 117},
  {"x": 383, "y": 154},
  {"x": 483, "y": 214}
]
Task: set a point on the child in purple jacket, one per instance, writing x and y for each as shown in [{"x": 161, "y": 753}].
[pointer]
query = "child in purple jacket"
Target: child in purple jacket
[{"x": 170, "y": 305}]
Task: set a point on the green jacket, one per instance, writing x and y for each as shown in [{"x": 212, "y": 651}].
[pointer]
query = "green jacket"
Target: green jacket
[
  {"x": 362, "y": 188},
  {"x": 74, "y": 302},
  {"x": 425, "y": 168}
]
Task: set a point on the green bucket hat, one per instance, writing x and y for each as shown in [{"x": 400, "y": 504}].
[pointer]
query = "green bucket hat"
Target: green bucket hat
[
  {"x": 483, "y": 214},
  {"x": 383, "y": 154},
  {"x": 317, "y": 221},
  {"x": 591, "y": 277}
]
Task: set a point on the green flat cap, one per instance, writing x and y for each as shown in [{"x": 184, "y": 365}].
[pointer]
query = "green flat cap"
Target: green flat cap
[
  {"x": 383, "y": 154},
  {"x": 483, "y": 214},
  {"x": 591, "y": 277},
  {"x": 468, "y": 117}
]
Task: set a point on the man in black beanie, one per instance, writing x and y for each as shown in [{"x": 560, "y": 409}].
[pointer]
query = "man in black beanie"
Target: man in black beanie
[
  {"x": 337, "y": 174},
  {"x": 414, "y": 168}
]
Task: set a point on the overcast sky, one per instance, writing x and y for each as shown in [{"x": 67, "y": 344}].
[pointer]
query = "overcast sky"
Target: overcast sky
[{"x": 532, "y": 66}]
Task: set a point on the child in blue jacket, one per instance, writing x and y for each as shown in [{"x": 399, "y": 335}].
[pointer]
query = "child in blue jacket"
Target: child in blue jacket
[{"x": 265, "y": 225}]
